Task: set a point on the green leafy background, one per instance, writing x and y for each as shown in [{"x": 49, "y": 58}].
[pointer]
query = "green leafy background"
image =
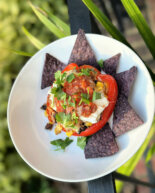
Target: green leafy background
[
  {"x": 15, "y": 175},
  {"x": 21, "y": 25}
]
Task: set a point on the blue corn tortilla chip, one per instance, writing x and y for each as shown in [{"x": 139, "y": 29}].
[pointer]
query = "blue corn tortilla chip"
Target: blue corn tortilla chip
[
  {"x": 110, "y": 65},
  {"x": 82, "y": 53},
  {"x": 51, "y": 65},
  {"x": 101, "y": 144},
  {"x": 125, "y": 80},
  {"x": 125, "y": 118}
]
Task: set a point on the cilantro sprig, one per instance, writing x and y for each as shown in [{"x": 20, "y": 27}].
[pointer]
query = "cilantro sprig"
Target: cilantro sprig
[
  {"x": 81, "y": 142},
  {"x": 61, "y": 144},
  {"x": 84, "y": 98},
  {"x": 101, "y": 63},
  {"x": 74, "y": 117},
  {"x": 96, "y": 95},
  {"x": 60, "y": 77},
  {"x": 70, "y": 103},
  {"x": 70, "y": 77},
  {"x": 58, "y": 93},
  {"x": 66, "y": 120}
]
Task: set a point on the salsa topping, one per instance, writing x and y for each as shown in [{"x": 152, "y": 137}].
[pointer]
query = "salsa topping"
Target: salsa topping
[{"x": 76, "y": 97}]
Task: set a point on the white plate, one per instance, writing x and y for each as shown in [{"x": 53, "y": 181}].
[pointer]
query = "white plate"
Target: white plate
[{"x": 26, "y": 120}]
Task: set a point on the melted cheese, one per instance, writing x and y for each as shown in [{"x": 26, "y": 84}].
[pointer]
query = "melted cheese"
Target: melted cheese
[{"x": 94, "y": 117}]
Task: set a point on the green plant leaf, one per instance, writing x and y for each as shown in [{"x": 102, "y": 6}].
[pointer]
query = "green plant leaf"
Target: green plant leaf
[
  {"x": 81, "y": 142},
  {"x": 22, "y": 53},
  {"x": 150, "y": 153},
  {"x": 51, "y": 26},
  {"x": 139, "y": 20},
  {"x": 111, "y": 28},
  {"x": 61, "y": 144},
  {"x": 130, "y": 165},
  {"x": 101, "y": 17},
  {"x": 37, "y": 43},
  {"x": 59, "y": 23}
]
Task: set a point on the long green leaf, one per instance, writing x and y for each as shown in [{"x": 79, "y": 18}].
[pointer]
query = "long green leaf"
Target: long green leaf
[
  {"x": 130, "y": 165},
  {"x": 59, "y": 23},
  {"x": 138, "y": 19},
  {"x": 110, "y": 27},
  {"x": 150, "y": 153},
  {"x": 51, "y": 26},
  {"x": 105, "y": 22},
  {"x": 22, "y": 53},
  {"x": 37, "y": 43}
]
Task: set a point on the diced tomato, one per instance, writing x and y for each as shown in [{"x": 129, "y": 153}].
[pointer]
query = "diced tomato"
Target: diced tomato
[
  {"x": 88, "y": 109},
  {"x": 76, "y": 97},
  {"x": 69, "y": 110},
  {"x": 70, "y": 67},
  {"x": 58, "y": 105}
]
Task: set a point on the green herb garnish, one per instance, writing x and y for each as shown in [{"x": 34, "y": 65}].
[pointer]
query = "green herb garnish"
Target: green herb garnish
[
  {"x": 64, "y": 106},
  {"x": 65, "y": 119},
  {"x": 58, "y": 93},
  {"x": 96, "y": 95},
  {"x": 80, "y": 102},
  {"x": 70, "y": 78},
  {"x": 85, "y": 71},
  {"x": 100, "y": 63},
  {"x": 85, "y": 98},
  {"x": 74, "y": 117},
  {"x": 60, "y": 77},
  {"x": 72, "y": 104},
  {"x": 81, "y": 142},
  {"x": 88, "y": 91},
  {"x": 61, "y": 144}
]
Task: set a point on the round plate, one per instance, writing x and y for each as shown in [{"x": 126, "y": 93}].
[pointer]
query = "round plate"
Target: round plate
[{"x": 27, "y": 121}]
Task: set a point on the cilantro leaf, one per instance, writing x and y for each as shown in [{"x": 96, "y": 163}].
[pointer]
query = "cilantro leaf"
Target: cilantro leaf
[
  {"x": 96, "y": 95},
  {"x": 54, "y": 90},
  {"x": 57, "y": 75},
  {"x": 80, "y": 102},
  {"x": 61, "y": 144},
  {"x": 65, "y": 120},
  {"x": 85, "y": 95},
  {"x": 81, "y": 142},
  {"x": 100, "y": 63},
  {"x": 70, "y": 78},
  {"x": 74, "y": 117},
  {"x": 72, "y": 104},
  {"x": 60, "y": 77},
  {"x": 85, "y": 71},
  {"x": 85, "y": 98},
  {"x": 59, "y": 93}
]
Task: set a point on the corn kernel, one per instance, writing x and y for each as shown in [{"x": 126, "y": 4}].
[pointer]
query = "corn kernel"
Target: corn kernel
[
  {"x": 45, "y": 113},
  {"x": 99, "y": 86},
  {"x": 58, "y": 129},
  {"x": 88, "y": 124},
  {"x": 69, "y": 133}
]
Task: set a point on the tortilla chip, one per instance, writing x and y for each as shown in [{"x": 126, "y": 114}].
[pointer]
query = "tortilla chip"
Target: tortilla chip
[
  {"x": 125, "y": 118},
  {"x": 125, "y": 80},
  {"x": 101, "y": 144},
  {"x": 51, "y": 65},
  {"x": 82, "y": 53},
  {"x": 110, "y": 65}
]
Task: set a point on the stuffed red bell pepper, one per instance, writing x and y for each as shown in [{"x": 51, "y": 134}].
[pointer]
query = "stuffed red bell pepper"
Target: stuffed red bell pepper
[{"x": 81, "y": 100}]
